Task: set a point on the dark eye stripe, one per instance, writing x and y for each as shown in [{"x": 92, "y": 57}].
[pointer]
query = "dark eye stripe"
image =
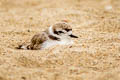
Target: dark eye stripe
[
  {"x": 60, "y": 31},
  {"x": 68, "y": 30}
]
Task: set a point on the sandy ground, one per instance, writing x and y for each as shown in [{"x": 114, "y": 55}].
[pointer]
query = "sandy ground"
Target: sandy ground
[{"x": 94, "y": 56}]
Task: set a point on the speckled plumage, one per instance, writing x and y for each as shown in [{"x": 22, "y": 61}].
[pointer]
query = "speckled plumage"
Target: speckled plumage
[{"x": 57, "y": 34}]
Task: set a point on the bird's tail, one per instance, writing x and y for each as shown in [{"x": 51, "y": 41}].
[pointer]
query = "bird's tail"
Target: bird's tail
[{"x": 23, "y": 46}]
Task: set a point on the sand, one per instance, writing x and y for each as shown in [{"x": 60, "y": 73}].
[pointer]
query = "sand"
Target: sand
[{"x": 95, "y": 55}]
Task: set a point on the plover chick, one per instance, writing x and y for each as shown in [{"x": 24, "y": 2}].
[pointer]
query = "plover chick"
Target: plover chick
[{"x": 57, "y": 34}]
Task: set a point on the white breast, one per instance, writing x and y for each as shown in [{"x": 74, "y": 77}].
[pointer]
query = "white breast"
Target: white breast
[{"x": 50, "y": 43}]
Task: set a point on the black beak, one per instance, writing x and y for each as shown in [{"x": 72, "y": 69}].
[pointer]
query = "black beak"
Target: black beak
[{"x": 73, "y": 36}]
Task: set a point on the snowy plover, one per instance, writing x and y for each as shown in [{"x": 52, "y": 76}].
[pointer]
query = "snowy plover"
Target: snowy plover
[{"x": 57, "y": 34}]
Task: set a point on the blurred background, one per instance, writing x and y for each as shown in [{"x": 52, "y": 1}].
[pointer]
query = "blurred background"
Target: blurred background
[{"x": 94, "y": 56}]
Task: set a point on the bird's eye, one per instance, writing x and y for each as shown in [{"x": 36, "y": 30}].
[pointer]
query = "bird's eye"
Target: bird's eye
[
  {"x": 68, "y": 30},
  {"x": 60, "y": 31}
]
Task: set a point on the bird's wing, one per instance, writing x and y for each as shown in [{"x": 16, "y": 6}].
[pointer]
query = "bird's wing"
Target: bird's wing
[{"x": 37, "y": 41}]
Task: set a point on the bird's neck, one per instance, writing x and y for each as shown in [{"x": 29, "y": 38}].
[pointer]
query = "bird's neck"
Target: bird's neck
[{"x": 51, "y": 36}]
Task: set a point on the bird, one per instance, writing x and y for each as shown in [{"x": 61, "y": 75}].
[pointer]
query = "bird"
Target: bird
[{"x": 57, "y": 34}]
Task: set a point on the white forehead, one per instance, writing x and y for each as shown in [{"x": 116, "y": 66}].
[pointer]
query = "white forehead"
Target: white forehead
[{"x": 70, "y": 32}]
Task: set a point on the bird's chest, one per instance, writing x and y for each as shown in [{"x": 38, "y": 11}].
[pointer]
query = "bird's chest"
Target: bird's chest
[{"x": 50, "y": 43}]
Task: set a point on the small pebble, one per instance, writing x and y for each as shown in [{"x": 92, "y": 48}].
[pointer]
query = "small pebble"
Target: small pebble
[{"x": 28, "y": 30}]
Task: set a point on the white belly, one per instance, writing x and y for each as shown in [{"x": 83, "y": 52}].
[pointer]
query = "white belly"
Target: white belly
[{"x": 50, "y": 43}]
